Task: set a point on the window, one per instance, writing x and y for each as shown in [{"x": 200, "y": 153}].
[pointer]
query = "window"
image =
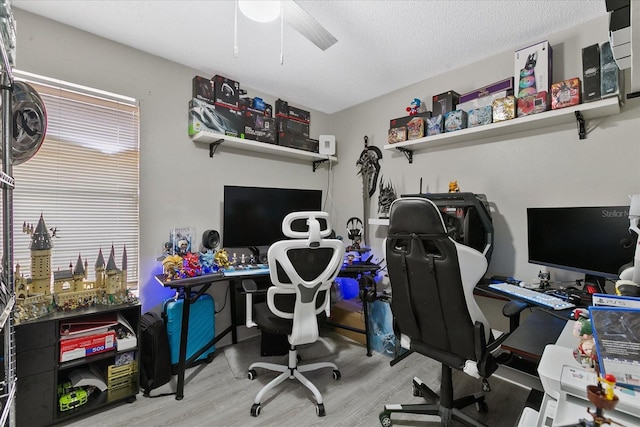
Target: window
[{"x": 83, "y": 180}]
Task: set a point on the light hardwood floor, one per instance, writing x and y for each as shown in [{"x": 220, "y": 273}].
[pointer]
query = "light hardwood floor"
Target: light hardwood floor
[{"x": 219, "y": 393}]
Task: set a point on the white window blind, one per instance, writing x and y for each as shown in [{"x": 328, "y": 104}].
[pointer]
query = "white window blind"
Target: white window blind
[{"x": 84, "y": 181}]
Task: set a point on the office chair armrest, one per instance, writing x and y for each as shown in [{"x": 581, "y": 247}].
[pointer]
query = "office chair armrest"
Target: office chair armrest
[
  {"x": 250, "y": 287},
  {"x": 512, "y": 310}
]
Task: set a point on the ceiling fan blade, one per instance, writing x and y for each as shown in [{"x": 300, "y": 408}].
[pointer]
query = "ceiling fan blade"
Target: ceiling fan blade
[{"x": 295, "y": 16}]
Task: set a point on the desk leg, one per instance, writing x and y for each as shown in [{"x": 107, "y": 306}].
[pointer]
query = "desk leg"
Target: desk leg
[
  {"x": 184, "y": 331},
  {"x": 365, "y": 309},
  {"x": 232, "y": 301}
]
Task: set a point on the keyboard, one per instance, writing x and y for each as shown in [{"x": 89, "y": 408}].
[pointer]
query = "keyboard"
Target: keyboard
[{"x": 538, "y": 298}]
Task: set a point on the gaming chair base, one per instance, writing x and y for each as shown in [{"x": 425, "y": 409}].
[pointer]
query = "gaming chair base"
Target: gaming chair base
[{"x": 437, "y": 408}]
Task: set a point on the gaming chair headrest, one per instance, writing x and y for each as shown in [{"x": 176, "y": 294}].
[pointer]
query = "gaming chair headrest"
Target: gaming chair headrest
[
  {"x": 415, "y": 215},
  {"x": 316, "y": 226}
]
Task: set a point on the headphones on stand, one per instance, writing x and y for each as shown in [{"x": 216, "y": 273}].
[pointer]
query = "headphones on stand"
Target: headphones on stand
[
  {"x": 354, "y": 229},
  {"x": 368, "y": 288}
]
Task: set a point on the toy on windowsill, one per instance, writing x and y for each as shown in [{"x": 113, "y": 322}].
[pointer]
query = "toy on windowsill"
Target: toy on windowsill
[{"x": 415, "y": 107}]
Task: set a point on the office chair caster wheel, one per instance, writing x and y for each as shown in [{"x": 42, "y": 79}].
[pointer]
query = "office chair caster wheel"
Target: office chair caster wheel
[
  {"x": 482, "y": 407},
  {"x": 416, "y": 390},
  {"x": 485, "y": 385},
  {"x": 255, "y": 409},
  {"x": 336, "y": 374},
  {"x": 385, "y": 419},
  {"x": 252, "y": 375},
  {"x": 320, "y": 410}
]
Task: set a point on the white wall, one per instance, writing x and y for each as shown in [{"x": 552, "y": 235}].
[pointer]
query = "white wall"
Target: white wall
[{"x": 547, "y": 167}]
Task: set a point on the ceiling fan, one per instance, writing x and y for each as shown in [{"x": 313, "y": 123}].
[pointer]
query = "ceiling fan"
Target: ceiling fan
[{"x": 291, "y": 13}]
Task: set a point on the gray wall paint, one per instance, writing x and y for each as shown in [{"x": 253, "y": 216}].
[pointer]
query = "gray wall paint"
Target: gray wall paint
[{"x": 181, "y": 185}]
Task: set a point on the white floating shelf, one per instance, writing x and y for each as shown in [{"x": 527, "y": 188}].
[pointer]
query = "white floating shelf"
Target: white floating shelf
[
  {"x": 590, "y": 110},
  {"x": 378, "y": 221},
  {"x": 257, "y": 146}
]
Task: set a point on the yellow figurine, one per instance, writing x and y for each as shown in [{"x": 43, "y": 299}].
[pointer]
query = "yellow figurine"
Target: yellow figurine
[
  {"x": 221, "y": 259},
  {"x": 453, "y": 187},
  {"x": 171, "y": 266}
]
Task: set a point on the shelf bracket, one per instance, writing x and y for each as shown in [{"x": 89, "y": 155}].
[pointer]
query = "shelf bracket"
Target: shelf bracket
[
  {"x": 316, "y": 163},
  {"x": 582, "y": 132},
  {"x": 214, "y": 146},
  {"x": 407, "y": 153}
]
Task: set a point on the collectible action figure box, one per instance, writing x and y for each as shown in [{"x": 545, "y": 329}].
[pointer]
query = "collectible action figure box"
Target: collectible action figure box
[
  {"x": 226, "y": 92},
  {"x": 434, "y": 125},
  {"x": 479, "y": 116},
  {"x": 445, "y": 102},
  {"x": 532, "y": 104},
  {"x": 565, "y": 93},
  {"x": 533, "y": 69},
  {"x": 455, "y": 120},
  {"x": 504, "y": 108},
  {"x": 591, "y": 73},
  {"x": 485, "y": 95},
  {"x": 214, "y": 118},
  {"x": 203, "y": 89},
  {"x": 611, "y": 78}
]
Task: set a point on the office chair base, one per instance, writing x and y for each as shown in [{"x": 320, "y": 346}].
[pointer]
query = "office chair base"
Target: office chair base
[
  {"x": 291, "y": 372},
  {"x": 435, "y": 408}
]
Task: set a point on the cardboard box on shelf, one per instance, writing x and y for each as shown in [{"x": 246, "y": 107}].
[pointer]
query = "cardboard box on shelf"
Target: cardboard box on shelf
[
  {"x": 76, "y": 348},
  {"x": 226, "y": 92},
  {"x": 532, "y": 73}
]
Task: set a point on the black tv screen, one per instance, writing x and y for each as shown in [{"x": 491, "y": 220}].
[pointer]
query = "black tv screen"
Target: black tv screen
[
  {"x": 252, "y": 216},
  {"x": 591, "y": 240}
]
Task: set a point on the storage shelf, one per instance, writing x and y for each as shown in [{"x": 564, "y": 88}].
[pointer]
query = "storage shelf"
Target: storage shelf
[
  {"x": 378, "y": 221},
  {"x": 216, "y": 139},
  {"x": 591, "y": 110}
]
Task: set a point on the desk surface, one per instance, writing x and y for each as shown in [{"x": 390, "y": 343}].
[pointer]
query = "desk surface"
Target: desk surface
[{"x": 534, "y": 333}]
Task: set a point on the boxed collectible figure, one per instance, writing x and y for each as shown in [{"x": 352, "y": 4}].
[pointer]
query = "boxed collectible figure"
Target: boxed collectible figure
[
  {"x": 533, "y": 69},
  {"x": 226, "y": 92},
  {"x": 565, "y": 93},
  {"x": 591, "y": 73},
  {"x": 611, "y": 77},
  {"x": 203, "y": 89},
  {"x": 532, "y": 104},
  {"x": 504, "y": 108},
  {"x": 485, "y": 95},
  {"x": 214, "y": 118},
  {"x": 402, "y": 121},
  {"x": 434, "y": 125},
  {"x": 455, "y": 120},
  {"x": 445, "y": 102},
  {"x": 397, "y": 134},
  {"x": 479, "y": 116},
  {"x": 415, "y": 128},
  {"x": 259, "y": 127}
]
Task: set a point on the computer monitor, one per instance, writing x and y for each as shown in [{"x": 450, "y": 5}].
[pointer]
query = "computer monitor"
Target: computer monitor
[
  {"x": 252, "y": 216},
  {"x": 592, "y": 240}
]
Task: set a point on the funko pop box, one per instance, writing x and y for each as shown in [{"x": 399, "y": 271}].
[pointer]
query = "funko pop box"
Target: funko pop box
[{"x": 533, "y": 68}]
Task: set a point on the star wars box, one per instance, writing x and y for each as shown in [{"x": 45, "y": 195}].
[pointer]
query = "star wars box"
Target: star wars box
[
  {"x": 298, "y": 142},
  {"x": 533, "y": 69},
  {"x": 479, "y": 116},
  {"x": 484, "y": 96},
  {"x": 259, "y": 127},
  {"x": 565, "y": 93},
  {"x": 445, "y": 102},
  {"x": 591, "y": 73},
  {"x": 611, "y": 78},
  {"x": 214, "y": 118},
  {"x": 504, "y": 108},
  {"x": 226, "y": 92},
  {"x": 434, "y": 125},
  {"x": 532, "y": 104},
  {"x": 202, "y": 89},
  {"x": 397, "y": 134},
  {"x": 455, "y": 120},
  {"x": 415, "y": 128}
]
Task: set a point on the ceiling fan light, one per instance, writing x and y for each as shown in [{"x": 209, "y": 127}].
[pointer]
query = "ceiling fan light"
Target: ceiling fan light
[{"x": 260, "y": 11}]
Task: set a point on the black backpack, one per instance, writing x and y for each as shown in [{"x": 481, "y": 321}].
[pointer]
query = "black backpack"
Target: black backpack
[{"x": 155, "y": 357}]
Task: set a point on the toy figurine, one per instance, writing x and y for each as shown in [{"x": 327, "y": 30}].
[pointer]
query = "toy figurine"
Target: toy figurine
[
  {"x": 221, "y": 259},
  {"x": 171, "y": 266},
  {"x": 190, "y": 266},
  {"x": 453, "y": 187},
  {"x": 584, "y": 331},
  {"x": 207, "y": 263},
  {"x": 415, "y": 107}
]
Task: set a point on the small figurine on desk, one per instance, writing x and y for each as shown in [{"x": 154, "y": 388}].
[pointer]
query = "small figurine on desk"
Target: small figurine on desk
[
  {"x": 222, "y": 259},
  {"x": 544, "y": 277},
  {"x": 207, "y": 263},
  {"x": 171, "y": 266},
  {"x": 453, "y": 187},
  {"x": 584, "y": 331},
  {"x": 415, "y": 107}
]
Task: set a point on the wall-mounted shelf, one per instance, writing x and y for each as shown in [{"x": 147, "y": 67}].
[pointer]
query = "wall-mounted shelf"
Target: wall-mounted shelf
[
  {"x": 378, "y": 221},
  {"x": 578, "y": 113},
  {"x": 215, "y": 139}
]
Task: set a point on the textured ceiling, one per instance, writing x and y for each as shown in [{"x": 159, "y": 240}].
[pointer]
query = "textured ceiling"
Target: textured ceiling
[{"x": 382, "y": 45}]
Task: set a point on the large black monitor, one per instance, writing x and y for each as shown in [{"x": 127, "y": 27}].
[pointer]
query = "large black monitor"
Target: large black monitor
[
  {"x": 592, "y": 240},
  {"x": 252, "y": 216}
]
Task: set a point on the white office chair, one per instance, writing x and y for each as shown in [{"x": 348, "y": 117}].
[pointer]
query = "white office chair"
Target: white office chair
[{"x": 302, "y": 270}]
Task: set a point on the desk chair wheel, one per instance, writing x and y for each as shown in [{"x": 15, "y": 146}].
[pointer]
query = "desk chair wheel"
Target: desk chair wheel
[
  {"x": 255, "y": 409},
  {"x": 320, "y": 410},
  {"x": 482, "y": 407},
  {"x": 336, "y": 374},
  {"x": 252, "y": 375},
  {"x": 385, "y": 419},
  {"x": 416, "y": 390}
]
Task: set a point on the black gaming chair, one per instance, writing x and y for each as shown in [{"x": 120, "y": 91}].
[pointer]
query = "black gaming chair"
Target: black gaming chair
[{"x": 432, "y": 279}]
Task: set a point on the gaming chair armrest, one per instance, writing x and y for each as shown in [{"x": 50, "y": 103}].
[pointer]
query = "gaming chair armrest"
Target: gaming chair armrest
[
  {"x": 250, "y": 287},
  {"x": 512, "y": 310}
]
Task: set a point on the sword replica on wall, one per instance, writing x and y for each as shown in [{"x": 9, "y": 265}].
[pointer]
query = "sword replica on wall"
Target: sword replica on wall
[{"x": 369, "y": 168}]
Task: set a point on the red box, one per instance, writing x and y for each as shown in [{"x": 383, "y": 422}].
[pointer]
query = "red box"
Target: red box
[
  {"x": 565, "y": 93},
  {"x": 76, "y": 348}
]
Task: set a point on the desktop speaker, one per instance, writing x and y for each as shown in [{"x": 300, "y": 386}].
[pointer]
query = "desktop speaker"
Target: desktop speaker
[
  {"x": 210, "y": 239},
  {"x": 327, "y": 144}
]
